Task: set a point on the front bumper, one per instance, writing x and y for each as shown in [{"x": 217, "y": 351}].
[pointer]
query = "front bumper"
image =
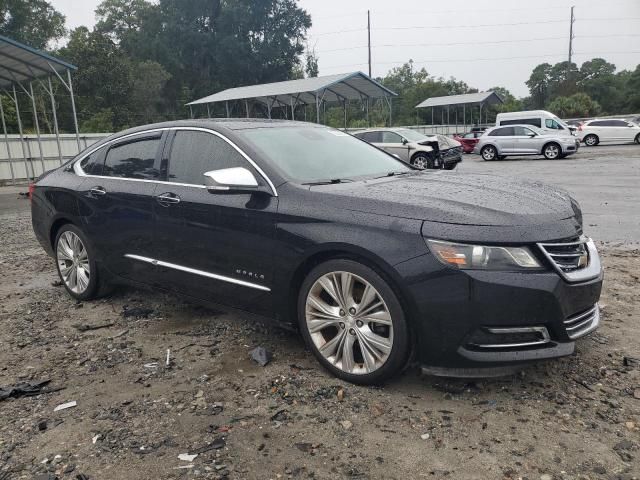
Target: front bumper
[{"x": 483, "y": 321}]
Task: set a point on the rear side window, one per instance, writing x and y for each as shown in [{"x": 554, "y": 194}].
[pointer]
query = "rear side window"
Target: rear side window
[
  {"x": 502, "y": 132},
  {"x": 92, "y": 164},
  {"x": 133, "y": 159},
  {"x": 522, "y": 131},
  {"x": 536, "y": 122},
  {"x": 193, "y": 153}
]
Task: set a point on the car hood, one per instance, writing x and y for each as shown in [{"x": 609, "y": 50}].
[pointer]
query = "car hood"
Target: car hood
[{"x": 449, "y": 198}]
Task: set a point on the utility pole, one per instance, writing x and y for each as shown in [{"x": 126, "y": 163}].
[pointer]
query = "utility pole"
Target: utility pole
[
  {"x": 571, "y": 35},
  {"x": 369, "y": 36}
]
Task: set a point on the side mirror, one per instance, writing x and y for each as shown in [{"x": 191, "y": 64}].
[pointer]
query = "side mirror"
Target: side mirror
[
  {"x": 405, "y": 141},
  {"x": 237, "y": 179},
  {"x": 531, "y": 135}
]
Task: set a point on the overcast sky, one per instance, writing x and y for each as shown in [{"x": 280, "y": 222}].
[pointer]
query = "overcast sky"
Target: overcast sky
[{"x": 486, "y": 43}]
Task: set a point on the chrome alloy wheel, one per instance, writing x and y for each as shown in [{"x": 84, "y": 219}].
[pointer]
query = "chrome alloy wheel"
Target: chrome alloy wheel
[
  {"x": 349, "y": 322},
  {"x": 420, "y": 162},
  {"x": 551, "y": 152},
  {"x": 73, "y": 262}
]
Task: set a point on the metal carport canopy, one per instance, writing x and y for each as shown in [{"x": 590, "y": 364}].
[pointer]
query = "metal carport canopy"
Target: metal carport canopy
[
  {"x": 464, "y": 99},
  {"x": 331, "y": 88}
]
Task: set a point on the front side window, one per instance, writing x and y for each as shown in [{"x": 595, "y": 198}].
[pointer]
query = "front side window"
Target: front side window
[
  {"x": 618, "y": 123},
  {"x": 597, "y": 123},
  {"x": 552, "y": 124},
  {"x": 391, "y": 137},
  {"x": 313, "y": 154},
  {"x": 134, "y": 159},
  {"x": 193, "y": 153}
]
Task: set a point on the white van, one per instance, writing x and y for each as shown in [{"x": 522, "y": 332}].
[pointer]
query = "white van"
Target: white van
[{"x": 542, "y": 119}]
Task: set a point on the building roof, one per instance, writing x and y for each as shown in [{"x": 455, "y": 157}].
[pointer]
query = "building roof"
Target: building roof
[
  {"x": 350, "y": 86},
  {"x": 464, "y": 99},
  {"x": 20, "y": 62}
]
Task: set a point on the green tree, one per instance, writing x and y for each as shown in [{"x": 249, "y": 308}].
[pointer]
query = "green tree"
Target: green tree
[
  {"x": 34, "y": 22},
  {"x": 576, "y": 105},
  {"x": 538, "y": 84}
]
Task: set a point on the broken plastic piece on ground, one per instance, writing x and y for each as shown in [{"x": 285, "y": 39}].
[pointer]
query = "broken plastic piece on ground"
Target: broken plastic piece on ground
[
  {"x": 261, "y": 356},
  {"x": 84, "y": 327},
  {"x": 137, "y": 312},
  {"x": 64, "y": 406},
  {"x": 168, "y": 362},
  {"x": 24, "y": 389},
  {"x": 185, "y": 457}
]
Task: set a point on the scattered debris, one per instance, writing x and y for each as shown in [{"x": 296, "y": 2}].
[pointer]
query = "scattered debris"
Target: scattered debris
[
  {"x": 425, "y": 436},
  {"x": 57, "y": 283},
  {"x": 24, "y": 389},
  {"x": 185, "y": 457},
  {"x": 636, "y": 393},
  {"x": 96, "y": 438},
  {"x": 64, "y": 406},
  {"x": 340, "y": 394},
  {"x": 217, "y": 444},
  {"x": 304, "y": 447},
  {"x": 84, "y": 327},
  {"x": 168, "y": 361},
  {"x": 120, "y": 334},
  {"x": 261, "y": 356},
  {"x": 346, "y": 424},
  {"x": 631, "y": 362},
  {"x": 151, "y": 365}
]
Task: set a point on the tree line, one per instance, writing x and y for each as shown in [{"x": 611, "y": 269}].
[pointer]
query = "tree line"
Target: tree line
[{"x": 143, "y": 61}]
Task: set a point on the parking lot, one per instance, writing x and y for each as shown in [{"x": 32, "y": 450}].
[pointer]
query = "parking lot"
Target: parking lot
[{"x": 155, "y": 377}]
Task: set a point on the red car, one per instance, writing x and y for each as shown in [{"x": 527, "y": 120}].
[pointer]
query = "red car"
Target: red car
[{"x": 468, "y": 140}]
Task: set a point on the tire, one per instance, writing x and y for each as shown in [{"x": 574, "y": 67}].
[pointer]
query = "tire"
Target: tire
[
  {"x": 591, "y": 140},
  {"x": 552, "y": 151},
  {"x": 422, "y": 161},
  {"x": 374, "y": 351},
  {"x": 489, "y": 153},
  {"x": 637, "y": 140},
  {"x": 73, "y": 251}
]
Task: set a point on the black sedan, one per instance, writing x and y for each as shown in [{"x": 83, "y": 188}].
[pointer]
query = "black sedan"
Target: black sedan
[{"x": 376, "y": 263}]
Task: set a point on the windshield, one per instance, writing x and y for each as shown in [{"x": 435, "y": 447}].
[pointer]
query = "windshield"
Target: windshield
[
  {"x": 315, "y": 154},
  {"x": 412, "y": 135}
]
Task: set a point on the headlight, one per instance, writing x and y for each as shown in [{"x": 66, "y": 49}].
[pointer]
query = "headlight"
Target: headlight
[{"x": 481, "y": 257}]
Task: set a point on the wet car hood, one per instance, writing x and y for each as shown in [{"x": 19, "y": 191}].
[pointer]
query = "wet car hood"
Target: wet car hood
[{"x": 443, "y": 197}]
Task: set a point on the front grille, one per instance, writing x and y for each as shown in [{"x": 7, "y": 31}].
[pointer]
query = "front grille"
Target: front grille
[
  {"x": 582, "y": 323},
  {"x": 576, "y": 260},
  {"x": 567, "y": 256},
  {"x": 451, "y": 152}
]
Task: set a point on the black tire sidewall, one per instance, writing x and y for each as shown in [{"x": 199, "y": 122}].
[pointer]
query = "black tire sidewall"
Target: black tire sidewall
[
  {"x": 401, "y": 345},
  {"x": 94, "y": 282}
]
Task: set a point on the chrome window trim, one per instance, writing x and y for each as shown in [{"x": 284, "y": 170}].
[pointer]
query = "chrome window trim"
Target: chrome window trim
[
  {"x": 78, "y": 169},
  {"x": 195, "y": 271}
]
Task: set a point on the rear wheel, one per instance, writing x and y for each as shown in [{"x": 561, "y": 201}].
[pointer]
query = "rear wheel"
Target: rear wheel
[
  {"x": 353, "y": 322},
  {"x": 422, "y": 161},
  {"x": 551, "y": 151},
  {"x": 591, "y": 140},
  {"x": 638, "y": 139},
  {"x": 76, "y": 263},
  {"x": 488, "y": 153}
]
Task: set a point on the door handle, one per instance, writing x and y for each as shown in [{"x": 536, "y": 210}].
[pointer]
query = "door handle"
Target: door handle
[
  {"x": 166, "y": 199},
  {"x": 97, "y": 191}
]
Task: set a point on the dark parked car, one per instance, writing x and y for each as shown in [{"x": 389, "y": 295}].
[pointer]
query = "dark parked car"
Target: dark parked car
[{"x": 376, "y": 263}]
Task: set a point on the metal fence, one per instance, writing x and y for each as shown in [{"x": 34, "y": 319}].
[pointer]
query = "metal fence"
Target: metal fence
[{"x": 18, "y": 166}]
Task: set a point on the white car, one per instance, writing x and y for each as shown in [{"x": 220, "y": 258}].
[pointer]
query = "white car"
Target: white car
[{"x": 593, "y": 132}]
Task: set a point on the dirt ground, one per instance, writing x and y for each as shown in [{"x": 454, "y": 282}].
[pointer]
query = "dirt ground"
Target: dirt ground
[{"x": 574, "y": 418}]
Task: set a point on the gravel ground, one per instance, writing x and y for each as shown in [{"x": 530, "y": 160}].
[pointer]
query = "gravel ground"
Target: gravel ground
[{"x": 574, "y": 418}]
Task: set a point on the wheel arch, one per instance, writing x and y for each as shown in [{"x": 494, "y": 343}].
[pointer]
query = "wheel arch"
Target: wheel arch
[
  {"x": 551, "y": 142},
  {"x": 344, "y": 252},
  {"x": 55, "y": 228}
]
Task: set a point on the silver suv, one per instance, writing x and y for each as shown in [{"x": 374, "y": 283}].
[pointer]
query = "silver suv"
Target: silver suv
[{"x": 499, "y": 142}]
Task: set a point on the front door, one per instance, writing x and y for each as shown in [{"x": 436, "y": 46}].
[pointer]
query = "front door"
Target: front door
[
  {"x": 393, "y": 143},
  {"x": 117, "y": 202},
  {"x": 213, "y": 246},
  {"x": 524, "y": 141}
]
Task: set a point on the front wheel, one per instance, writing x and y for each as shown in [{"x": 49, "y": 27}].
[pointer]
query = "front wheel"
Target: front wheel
[
  {"x": 422, "y": 161},
  {"x": 637, "y": 140},
  {"x": 489, "y": 153},
  {"x": 76, "y": 263},
  {"x": 353, "y": 322},
  {"x": 551, "y": 151}
]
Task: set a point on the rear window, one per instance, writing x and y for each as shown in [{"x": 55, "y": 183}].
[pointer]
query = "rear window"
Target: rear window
[
  {"x": 133, "y": 159},
  {"x": 371, "y": 137}
]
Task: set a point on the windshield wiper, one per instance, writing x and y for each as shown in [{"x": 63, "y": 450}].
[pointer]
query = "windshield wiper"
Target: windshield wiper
[
  {"x": 394, "y": 174},
  {"x": 330, "y": 182}
]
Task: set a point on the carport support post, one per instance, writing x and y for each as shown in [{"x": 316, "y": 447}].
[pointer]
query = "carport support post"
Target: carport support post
[
  {"x": 464, "y": 116},
  {"x": 24, "y": 152},
  {"x": 55, "y": 119},
  {"x": 246, "y": 107},
  {"x": 431, "y": 118},
  {"x": 73, "y": 108},
  {"x": 208, "y": 111},
  {"x": 368, "y": 121},
  {"x": 6, "y": 141},
  {"x": 36, "y": 124},
  {"x": 317, "y": 109}
]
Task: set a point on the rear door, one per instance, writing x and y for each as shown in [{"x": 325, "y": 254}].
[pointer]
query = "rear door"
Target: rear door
[
  {"x": 622, "y": 132},
  {"x": 117, "y": 202},
  {"x": 218, "y": 246},
  {"x": 503, "y": 139}
]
